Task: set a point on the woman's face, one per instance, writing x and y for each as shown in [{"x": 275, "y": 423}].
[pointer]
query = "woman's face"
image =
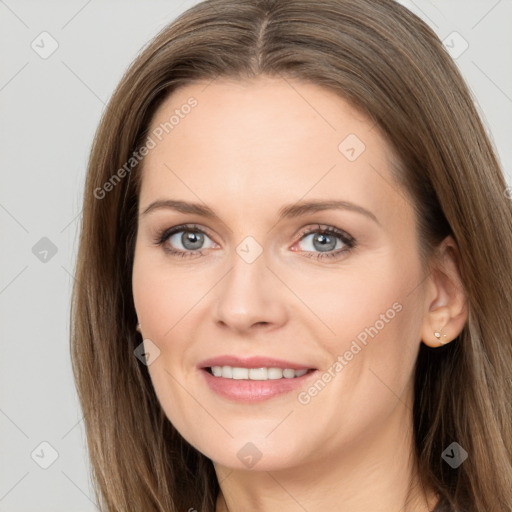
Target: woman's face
[{"x": 336, "y": 289}]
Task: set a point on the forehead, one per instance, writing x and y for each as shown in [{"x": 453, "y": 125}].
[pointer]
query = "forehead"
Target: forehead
[{"x": 269, "y": 138}]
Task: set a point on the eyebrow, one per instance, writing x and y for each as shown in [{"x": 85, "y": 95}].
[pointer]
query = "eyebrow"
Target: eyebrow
[{"x": 290, "y": 211}]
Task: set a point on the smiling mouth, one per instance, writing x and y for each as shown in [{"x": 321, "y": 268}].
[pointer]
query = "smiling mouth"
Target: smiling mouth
[{"x": 262, "y": 373}]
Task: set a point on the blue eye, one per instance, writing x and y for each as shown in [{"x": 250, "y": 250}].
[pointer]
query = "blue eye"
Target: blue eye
[
  {"x": 325, "y": 240},
  {"x": 328, "y": 241},
  {"x": 191, "y": 238}
]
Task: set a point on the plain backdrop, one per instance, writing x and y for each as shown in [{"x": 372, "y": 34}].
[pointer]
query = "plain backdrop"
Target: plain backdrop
[{"x": 50, "y": 107}]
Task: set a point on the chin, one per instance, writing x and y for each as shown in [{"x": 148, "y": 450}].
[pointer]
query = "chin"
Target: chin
[{"x": 254, "y": 455}]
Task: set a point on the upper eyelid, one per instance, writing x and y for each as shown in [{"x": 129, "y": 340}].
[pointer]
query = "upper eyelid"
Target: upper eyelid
[{"x": 325, "y": 228}]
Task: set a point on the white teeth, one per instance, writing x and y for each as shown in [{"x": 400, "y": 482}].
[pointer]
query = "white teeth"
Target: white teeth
[
  {"x": 240, "y": 373},
  {"x": 230, "y": 372},
  {"x": 258, "y": 374},
  {"x": 227, "y": 372},
  {"x": 275, "y": 373}
]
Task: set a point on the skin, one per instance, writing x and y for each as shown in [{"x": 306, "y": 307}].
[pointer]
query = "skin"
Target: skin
[{"x": 246, "y": 150}]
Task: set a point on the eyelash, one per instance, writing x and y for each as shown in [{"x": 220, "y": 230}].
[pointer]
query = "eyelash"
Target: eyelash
[{"x": 347, "y": 240}]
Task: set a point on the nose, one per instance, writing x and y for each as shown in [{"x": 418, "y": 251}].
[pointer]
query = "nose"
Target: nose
[{"x": 250, "y": 297}]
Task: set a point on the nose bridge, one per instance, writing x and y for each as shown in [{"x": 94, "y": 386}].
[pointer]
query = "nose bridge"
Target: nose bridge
[{"x": 247, "y": 295}]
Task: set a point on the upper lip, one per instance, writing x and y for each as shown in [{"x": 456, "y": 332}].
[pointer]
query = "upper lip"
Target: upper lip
[{"x": 252, "y": 362}]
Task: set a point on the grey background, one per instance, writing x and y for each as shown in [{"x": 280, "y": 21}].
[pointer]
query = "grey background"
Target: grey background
[{"x": 49, "y": 111}]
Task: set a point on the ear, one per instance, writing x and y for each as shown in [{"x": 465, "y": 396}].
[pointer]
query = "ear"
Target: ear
[{"x": 445, "y": 307}]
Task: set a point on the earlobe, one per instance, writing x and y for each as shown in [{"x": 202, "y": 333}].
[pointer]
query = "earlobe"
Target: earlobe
[
  {"x": 441, "y": 336},
  {"x": 437, "y": 326},
  {"x": 445, "y": 308}
]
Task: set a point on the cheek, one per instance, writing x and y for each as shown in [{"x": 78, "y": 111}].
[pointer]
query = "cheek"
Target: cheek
[
  {"x": 374, "y": 312},
  {"x": 164, "y": 299},
  {"x": 163, "y": 296},
  {"x": 376, "y": 317},
  {"x": 373, "y": 297}
]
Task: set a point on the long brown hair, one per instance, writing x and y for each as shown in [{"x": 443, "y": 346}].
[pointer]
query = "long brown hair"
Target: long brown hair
[{"x": 388, "y": 63}]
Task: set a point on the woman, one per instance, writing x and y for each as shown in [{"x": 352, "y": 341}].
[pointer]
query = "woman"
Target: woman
[{"x": 337, "y": 335}]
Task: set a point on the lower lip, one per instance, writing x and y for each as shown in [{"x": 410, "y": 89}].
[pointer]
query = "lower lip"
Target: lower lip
[{"x": 242, "y": 390}]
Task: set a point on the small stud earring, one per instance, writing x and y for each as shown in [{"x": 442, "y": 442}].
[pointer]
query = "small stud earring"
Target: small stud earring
[{"x": 438, "y": 335}]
